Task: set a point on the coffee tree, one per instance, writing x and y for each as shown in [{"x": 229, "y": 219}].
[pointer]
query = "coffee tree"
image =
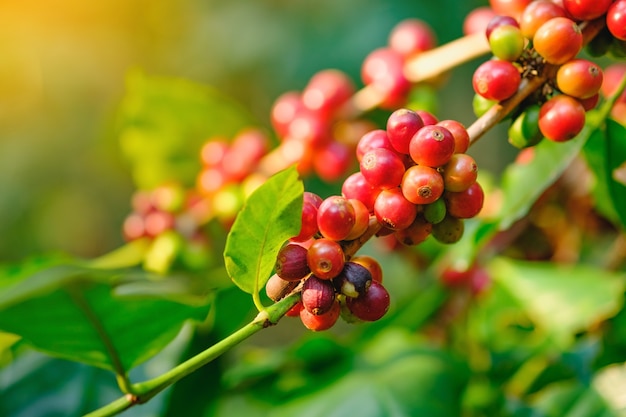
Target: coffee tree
[{"x": 407, "y": 280}]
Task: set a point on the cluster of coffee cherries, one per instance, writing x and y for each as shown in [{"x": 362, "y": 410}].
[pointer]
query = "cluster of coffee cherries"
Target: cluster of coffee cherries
[
  {"x": 169, "y": 217},
  {"x": 315, "y": 262},
  {"x": 416, "y": 178},
  {"x": 544, "y": 36}
]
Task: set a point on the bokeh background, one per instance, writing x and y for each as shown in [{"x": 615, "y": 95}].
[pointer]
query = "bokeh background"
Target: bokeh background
[{"x": 64, "y": 184}]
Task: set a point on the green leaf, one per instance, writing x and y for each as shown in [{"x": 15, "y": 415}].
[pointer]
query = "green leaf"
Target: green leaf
[
  {"x": 562, "y": 300},
  {"x": 73, "y": 312},
  {"x": 270, "y": 216},
  {"x": 164, "y": 122},
  {"x": 523, "y": 183},
  {"x": 616, "y": 157}
]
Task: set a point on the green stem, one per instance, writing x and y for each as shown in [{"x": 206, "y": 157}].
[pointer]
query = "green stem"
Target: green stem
[{"x": 144, "y": 391}]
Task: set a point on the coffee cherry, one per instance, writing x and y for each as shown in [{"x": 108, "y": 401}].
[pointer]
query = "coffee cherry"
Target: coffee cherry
[
  {"x": 325, "y": 258},
  {"x": 376, "y": 139},
  {"x": 411, "y": 36},
  {"x": 134, "y": 227},
  {"x": 284, "y": 111},
  {"x": 295, "y": 310},
  {"x": 382, "y": 168},
  {"x": 402, "y": 124},
  {"x": 435, "y": 212},
  {"x": 291, "y": 262},
  {"x": 353, "y": 281},
  {"x": 318, "y": 295},
  {"x": 427, "y": 117},
  {"x": 465, "y": 204},
  {"x": 460, "y": 172},
  {"x": 561, "y": 118},
  {"x": 416, "y": 233},
  {"x": 480, "y": 104},
  {"x": 383, "y": 70},
  {"x": 506, "y": 42},
  {"x": 422, "y": 184},
  {"x": 335, "y": 217},
  {"x": 356, "y": 187},
  {"x": 361, "y": 219},
  {"x": 327, "y": 91},
  {"x": 498, "y": 21},
  {"x": 558, "y": 40},
  {"x": 586, "y": 9},
  {"x": 579, "y": 78},
  {"x": 331, "y": 161},
  {"x": 157, "y": 222},
  {"x": 616, "y": 19},
  {"x": 432, "y": 146},
  {"x": 449, "y": 230},
  {"x": 276, "y": 288},
  {"x": 509, "y": 7},
  {"x": 461, "y": 137},
  {"x": 372, "y": 265},
  {"x": 536, "y": 14},
  {"x": 496, "y": 80},
  {"x": 213, "y": 151},
  {"x": 476, "y": 21},
  {"x": 524, "y": 131},
  {"x": 393, "y": 210},
  {"x": 372, "y": 305},
  {"x": 320, "y": 322}
]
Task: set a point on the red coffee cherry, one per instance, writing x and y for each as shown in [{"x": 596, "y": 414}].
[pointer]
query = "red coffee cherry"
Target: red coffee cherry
[
  {"x": 536, "y": 14},
  {"x": 361, "y": 219},
  {"x": 372, "y": 305},
  {"x": 335, "y": 217},
  {"x": 558, "y": 40},
  {"x": 412, "y": 36},
  {"x": 318, "y": 295},
  {"x": 284, "y": 111},
  {"x": 356, "y": 187},
  {"x": 561, "y": 118},
  {"x": 496, "y": 80},
  {"x": 291, "y": 262},
  {"x": 427, "y": 117},
  {"x": 616, "y": 19},
  {"x": 402, "y": 124},
  {"x": 586, "y": 9},
  {"x": 579, "y": 78},
  {"x": 308, "y": 227},
  {"x": 509, "y": 7},
  {"x": 382, "y": 168},
  {"x": 393, "y": 210},
  {"x": 465, "y": 204},
  {"x": 432, "y": 146},
  {"x": 416, "y": 233},
  {"x": 383, "y": 69},
  {"x": 460, "y": 172},
  {"x": 422, "y": 184},
  {"x": 327, "y": 91},
  {"x": 318, "y": 323},
  {"x": 325, "y": 258},
  {"x": 461, "y": 137},
  {"x": 476, "y": 21},
  {"x": 332, "y": 160},
  {"x": 376, "y": 139}
]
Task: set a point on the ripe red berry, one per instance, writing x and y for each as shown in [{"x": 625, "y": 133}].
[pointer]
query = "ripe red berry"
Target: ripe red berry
[
  {"x": 465, "y": 204},
  {"x": 325, "y": 258},
  {"x": 558, "y": 40},
  {"x": 432, "y": 146},
  {"x": 372, "y": 305},
  {"x": 579, "y": 78},
  {"x": 393, "y": 210},
  {"x": 335, "y": 217},
  {"x": 586, "y": 9},
  {"x": 411, "y": 36},
  {"x": 284, "y": 111},
  {"x": 509, "y": 7},
  {"x": 361, "y": 219},
  {"x": 461, "y": 137},
  {"x": 496, "y": 80},
  {"x": 320, "y": 322},
  {"x": 382, "y": 168},
  {"x": 427, "y": 117},
  {"x": 460, "y": 172},
  {"x": 383, "y": 70},
  {"x": 376, "y": 139},
  {"x": 357, "y": 187},
  {"x": 291, "y": 262},
  {"x": 476, "y": 21},
  {"x": 422, "y": 184},
  {"x": 402, "y": 124},
  {"x": 561, "y": 118},
  {"x": 327, "y": 91},
  {"x": 332, "y": 160},
  {"x": 536, "y": 14},
  {"x": 616, "y": 19},
  {"x": 318, "y": 295}
]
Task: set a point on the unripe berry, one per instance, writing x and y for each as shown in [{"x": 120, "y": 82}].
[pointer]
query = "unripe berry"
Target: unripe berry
[
  {"x": 506, "y": 42},
  {"x": 276, "y": 288},
  {"x": 354, "y": 280},
  {"x": 449, "y": 230},
  {"x": 371, "y": 264},
  {"x": 460, "y": 172},
  {"x": 558, "y": 40},
  {"x": 416, "y": 233},
  {"x": 579, "y": 78}
]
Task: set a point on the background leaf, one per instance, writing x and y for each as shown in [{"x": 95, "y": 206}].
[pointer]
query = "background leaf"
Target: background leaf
[
  {"x": 560, "y": 299},
  {"x": 73, "y": 312},
  {"x": 270, "y": 216}
]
